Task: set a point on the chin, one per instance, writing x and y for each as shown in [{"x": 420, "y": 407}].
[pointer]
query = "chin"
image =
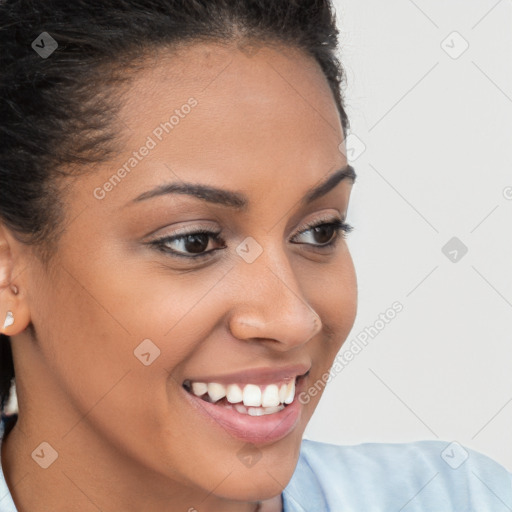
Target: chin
[{"x": 254, "y": 485}]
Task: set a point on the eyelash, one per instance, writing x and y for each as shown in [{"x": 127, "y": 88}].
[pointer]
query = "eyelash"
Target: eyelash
[{"x": 341, "y": 229}]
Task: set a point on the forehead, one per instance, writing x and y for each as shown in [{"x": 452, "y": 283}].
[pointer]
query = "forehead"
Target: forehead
[
  {"x": 224, "y": 75},
  {"x": 215, "y": 114}
]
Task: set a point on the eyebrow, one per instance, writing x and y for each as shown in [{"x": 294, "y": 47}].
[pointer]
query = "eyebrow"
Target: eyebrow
[{"x": 238, "y": 200}]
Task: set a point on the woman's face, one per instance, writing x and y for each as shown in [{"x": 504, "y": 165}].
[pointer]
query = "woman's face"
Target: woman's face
[{"x": 125, "y": 320}]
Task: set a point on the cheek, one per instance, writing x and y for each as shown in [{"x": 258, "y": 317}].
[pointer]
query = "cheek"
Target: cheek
[
  {"x": 109, "y": 343},
  {"x": 344, "y": 288},
  {"x": 102, "y": 323},
  {"x": 335, "y": 300},
  {"x": 337, "y": 305}
]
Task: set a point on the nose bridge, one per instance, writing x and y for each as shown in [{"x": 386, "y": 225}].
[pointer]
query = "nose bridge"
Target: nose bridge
[{"x": 274, "y": 306}]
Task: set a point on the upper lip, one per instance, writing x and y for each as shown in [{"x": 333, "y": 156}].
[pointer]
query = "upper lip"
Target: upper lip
[{"x": 261, "y": 376}]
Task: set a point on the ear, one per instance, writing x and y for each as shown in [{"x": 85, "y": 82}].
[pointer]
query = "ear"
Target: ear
[{"x": 14, "y": 312}]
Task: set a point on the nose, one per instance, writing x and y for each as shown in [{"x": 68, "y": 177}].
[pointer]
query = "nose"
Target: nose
[{"x": 272, "y": 307}]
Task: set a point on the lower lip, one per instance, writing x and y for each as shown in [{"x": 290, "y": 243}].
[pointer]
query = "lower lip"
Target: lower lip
[{"x": 251, "y": 429}]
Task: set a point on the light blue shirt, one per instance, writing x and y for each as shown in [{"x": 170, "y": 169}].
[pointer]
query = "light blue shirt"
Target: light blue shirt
[{"x": 426, "y": 476}]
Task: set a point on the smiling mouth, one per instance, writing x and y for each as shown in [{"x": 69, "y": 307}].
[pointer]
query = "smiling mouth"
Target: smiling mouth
[{"x": 249, "y": 399}]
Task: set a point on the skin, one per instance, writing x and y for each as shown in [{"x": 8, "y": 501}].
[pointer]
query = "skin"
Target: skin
[{"x": 265, "y": 125}]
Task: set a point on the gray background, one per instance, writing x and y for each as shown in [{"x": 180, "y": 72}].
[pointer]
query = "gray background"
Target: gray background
[{"x": 432, "y": 137}]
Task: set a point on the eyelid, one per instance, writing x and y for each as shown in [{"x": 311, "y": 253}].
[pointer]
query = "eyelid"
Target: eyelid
[
  {"x": 325, "y": 219},
  {"x": 210, "y": 227},
  {"x": 187, "y": 230}
]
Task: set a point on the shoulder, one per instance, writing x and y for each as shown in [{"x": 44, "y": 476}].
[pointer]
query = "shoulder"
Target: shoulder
[{"x": 416, "y": 476}]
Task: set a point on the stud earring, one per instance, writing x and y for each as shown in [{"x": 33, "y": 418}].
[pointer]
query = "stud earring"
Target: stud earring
[{"x": 9, "y": 319}]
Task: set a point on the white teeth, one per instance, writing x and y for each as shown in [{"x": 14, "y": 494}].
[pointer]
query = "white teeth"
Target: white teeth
[
  {"x": 199, "y": 388},
  {"x": 240, "y": 408},
  {"x": 282, "y": 393},
  {"x": 252, "y": 395},
  {"x": 272, "y": 410},
  {"x": 262, "y": 411},
  {"x": 255, "y": 411},
  {"x": 290, "y": 392},
  {"x": 216, "y": 391},
  {"x": 234, "y": 393},
  {"x": 270, "y": 397}
]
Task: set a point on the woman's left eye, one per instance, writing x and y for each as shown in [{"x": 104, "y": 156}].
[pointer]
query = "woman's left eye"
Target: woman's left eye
[
  {"x": 194, "y": 244},
  {"x": 326, "y": 230}
]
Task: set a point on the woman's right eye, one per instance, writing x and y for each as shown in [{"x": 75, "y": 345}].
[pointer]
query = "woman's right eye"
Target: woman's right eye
[{"x": 193, "y": 243}]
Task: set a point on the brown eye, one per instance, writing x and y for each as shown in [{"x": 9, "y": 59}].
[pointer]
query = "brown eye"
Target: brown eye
[
  {"x": 326, "y": 234},
  {"x": 196, "y": 243},
  {"x": 189, "y": 245}
]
